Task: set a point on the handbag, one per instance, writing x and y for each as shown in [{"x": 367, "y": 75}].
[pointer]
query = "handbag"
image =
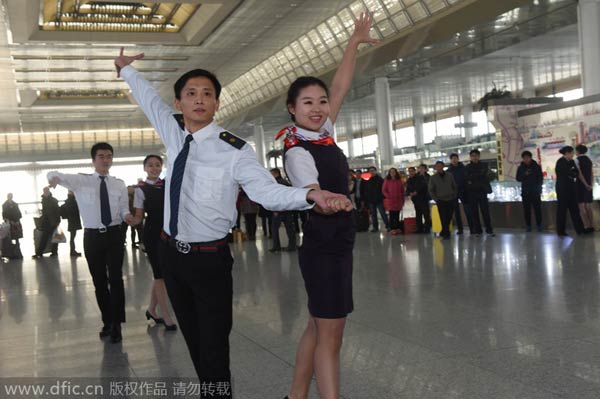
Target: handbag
[{"x": 58, "y": 237}]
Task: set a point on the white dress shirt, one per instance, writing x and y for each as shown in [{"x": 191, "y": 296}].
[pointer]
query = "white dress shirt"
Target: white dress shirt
[
  {"x": 300, "y": 165},
  {"x": 213, "y": 173},
  {"x": 87, "y": 194}
]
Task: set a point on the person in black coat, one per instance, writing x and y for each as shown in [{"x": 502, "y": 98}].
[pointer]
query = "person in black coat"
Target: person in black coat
[
  {"x": 373, "y": 196},
  {"x": 457, "y": 170},
  {"x": 585, "y": 183},
  {"x": 49, "y": 222},
  {"x": 282, "y": 217},
  {"x": 477, "y": 188},
  {"x": 567, "y": 174},
  {"x": 531, "y": 177},
  {"x": 70, "y": 211},
  {"x": 12, "y": 214},
  {"x": 417, "y": 190}
]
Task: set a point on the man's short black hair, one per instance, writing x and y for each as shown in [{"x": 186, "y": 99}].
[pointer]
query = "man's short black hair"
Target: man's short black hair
[
  {"x": 475, "y": 152},
  {"x": 453, "y": 155},
  {"x": 566, "y": 149},
  {"x": 101, "y": 146},
  {"x": 412, "y": 167},
  {"x": 526, "y": 154},
  {"x": 197, "y": 73},
  {"x": 440, "y": 162},
  {"x": 582, "y": 149},
  {"x": 372, "y": 167},
  {"x": 423, "y": 166}
]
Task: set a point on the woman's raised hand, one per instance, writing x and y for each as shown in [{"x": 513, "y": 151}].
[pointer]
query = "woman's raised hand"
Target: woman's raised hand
[
  {"x": 362, "y": 29},
  {"x": 122, "y": 60}
]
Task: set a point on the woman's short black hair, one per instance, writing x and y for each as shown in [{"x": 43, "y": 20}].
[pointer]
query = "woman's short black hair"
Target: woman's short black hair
[
  {"x": 566, "y": 149},
  {"x": 101, "y": 146},
  {"x": 301, "y": 83},
  {"x": 582, "y": 149},
  {"x": 149, "y": 157},
  {"x": 196, "y": 73},
  {"x": 526, "y": 154}
]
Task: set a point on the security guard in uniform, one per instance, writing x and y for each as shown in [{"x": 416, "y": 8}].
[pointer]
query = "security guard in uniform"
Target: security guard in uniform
[
  {"x": 206, "y": 166},
  {"x": 104, "y": 204}
]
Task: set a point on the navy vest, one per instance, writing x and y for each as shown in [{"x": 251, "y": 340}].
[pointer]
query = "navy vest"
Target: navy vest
[
  {"x": 154, "y": 204},
  {"x": 331, "y": 163}
]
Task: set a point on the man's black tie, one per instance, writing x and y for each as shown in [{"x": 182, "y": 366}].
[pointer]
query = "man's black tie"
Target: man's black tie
[
  {"x": 176, "y": 180},
  {"x": 105, "y": 215}
]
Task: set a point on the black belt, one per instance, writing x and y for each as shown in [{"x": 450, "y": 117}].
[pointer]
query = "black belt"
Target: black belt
[
  {"x": 187, "y": 247},
  {"x": 102, "y": 230}
]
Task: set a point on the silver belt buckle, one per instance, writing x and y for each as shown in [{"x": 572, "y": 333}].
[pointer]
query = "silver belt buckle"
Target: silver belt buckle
[
  {"x": 183, "y": 247},
  {"x": 102, "y": 229}
]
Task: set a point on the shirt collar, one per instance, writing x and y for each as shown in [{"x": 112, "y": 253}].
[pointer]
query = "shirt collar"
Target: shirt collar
[
  {"x": 96, "y": 174},
  {"x": 204, "y": 133}
]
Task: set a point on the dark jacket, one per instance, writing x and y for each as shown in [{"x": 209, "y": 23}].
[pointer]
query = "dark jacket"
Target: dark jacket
[
  {"x": 442, "y": 187},
  {"x": 70, "y": 211},
  {"x": 567, "y": 174},
  {"x": 11, "y": 211},
  {"x": 476, "y": 178},
  {"x": 417, "y": 184},
  {"x": 458, "y": 172},
  {"x": 50, "y": 213},
  {"x": 373, "y": 187},
  {"x": 531, "y": 178}
]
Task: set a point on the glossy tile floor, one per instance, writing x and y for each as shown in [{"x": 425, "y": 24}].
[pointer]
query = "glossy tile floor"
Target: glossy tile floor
[{"x": 515, "y": 316}]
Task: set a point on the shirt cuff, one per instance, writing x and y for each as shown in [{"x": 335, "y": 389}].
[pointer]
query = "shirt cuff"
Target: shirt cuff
[
  {"x": 128, "y": 71},
  {"x": 301, "y": 201}
]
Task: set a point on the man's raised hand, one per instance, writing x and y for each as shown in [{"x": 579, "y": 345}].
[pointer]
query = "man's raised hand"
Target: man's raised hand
[{"x": 123, "y": 60}]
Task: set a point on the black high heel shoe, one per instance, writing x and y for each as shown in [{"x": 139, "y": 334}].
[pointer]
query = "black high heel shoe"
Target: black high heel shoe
[
  {"x": 172, "y": 327},
  {"x": 158, "y": 320}
]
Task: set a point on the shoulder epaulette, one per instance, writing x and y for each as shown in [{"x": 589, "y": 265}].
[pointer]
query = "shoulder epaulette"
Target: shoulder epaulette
[
  {"x": 232, "y": 140},
  {"x": 179, "y": 119}
]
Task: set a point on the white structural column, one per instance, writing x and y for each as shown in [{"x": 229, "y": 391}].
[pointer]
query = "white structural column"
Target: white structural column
[
  {"x": 467, "y": 112},
  {"x": 418, "y": 122},
  {"x": 383, "y": 117},
  {"x": 528, "y": 82},
  {"x": 259, "y": 140},
  {"x": 350, "y": 141},
  {"x": 589, "y": 37}
]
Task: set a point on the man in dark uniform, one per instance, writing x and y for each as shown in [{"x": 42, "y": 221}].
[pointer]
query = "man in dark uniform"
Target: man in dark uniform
[{"x": 206, "y": 167}]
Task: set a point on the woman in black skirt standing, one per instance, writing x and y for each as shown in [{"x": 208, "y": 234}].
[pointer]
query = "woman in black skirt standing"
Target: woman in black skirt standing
[
  {"x": 585, "y": 194},
  {"x": 313, "y": 160},
  {"x": 566, "y": 192},
  {"x": 149, "y": 198}
]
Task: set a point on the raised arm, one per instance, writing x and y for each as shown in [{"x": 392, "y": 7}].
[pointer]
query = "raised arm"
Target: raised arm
[
  {"x": 343, "y": 77},
  {"x": 156, "y": 110},
  {"x": 69, "y": 181}
]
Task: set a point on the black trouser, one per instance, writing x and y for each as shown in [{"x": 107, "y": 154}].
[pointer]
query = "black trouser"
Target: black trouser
[
  {"x": 104, "y": 254},
  {"x": 423, "y": 214},
  {"x": 267, "y": 221},
  {"x": 46, "y": 236},
  {"x": 286, "y": 219},
  {"x": 479, "y": 201},
  {"x": 446, "y": 209},
  {"x": 250, "y": 219},
  {"x": 72, "y": 241},
  {"x": 567, "y": 201},
  {"x": 299, "y": 226},
  {"x": 200, "y": 287},
  {"x": 458, "y": 215},
  {"x": 532, "y": 200},
  {"x": 394, "y": 220}
]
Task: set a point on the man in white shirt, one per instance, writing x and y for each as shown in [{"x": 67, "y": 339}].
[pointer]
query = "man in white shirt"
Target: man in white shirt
[
  {"x": 206, "y": 166},
  {"x": 103, "y": 204}
]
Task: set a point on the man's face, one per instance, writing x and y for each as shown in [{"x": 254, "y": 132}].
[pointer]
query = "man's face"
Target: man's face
[
  {"x": 103, "y": 161},
  {"x": 475, "y": 157},
  {"x": 198, "y": 102},
  {"x": 454, "y": 161},
  {"x": 422, "y": 170},
  {"x": 412, "y": 172},
  {"x": 439, "y": 167},
  {"x": 46, "y": 192},
  {"x": 526, "y": 159},
  {"x": 373, "y": 171},
  {"x": 9, "y": 197}
]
